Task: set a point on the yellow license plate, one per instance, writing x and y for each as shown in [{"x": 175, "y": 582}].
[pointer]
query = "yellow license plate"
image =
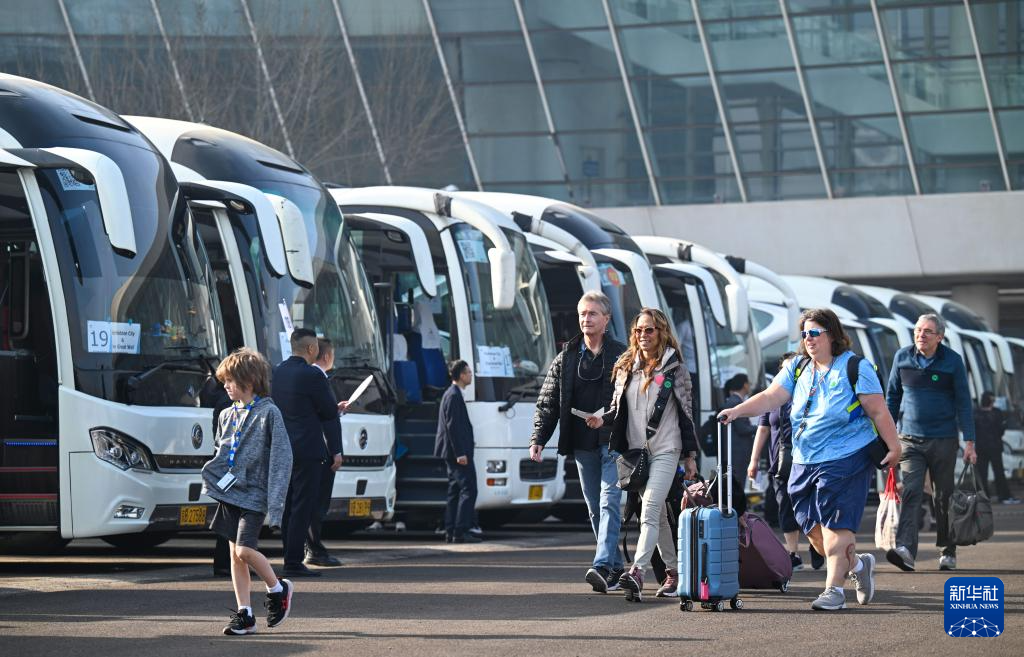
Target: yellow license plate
[
  {"x": 192, "y": 516},
  {"x": 358, "y": 508},
  {"x": 536, "y": 492}
]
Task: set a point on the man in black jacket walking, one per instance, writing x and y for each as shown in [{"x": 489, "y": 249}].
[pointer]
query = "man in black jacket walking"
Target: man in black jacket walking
[
  {"x": 454, "y": 445},
  {"x": 580, "y": 379},
  {"x": 306, "y": 402}
]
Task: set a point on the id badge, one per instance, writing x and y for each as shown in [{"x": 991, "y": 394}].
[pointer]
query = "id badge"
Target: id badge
[{"x": 226, "y": 482}]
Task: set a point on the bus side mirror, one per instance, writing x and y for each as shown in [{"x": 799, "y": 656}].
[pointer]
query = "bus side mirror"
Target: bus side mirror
[
  {"x": 100, "y": 172},
  {"x": 503, "y": 278},
  {"x": 296, "y": 240}
]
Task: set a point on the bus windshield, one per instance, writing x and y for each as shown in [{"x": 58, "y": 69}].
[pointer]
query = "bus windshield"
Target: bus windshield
[
  {"x": 886, "y": 344},
  {"x": 339, "y": 306},
  {"x": 144, "y": 329},
  {"x": 511, "y": 348},
  {"x": 985, "y": 372}
]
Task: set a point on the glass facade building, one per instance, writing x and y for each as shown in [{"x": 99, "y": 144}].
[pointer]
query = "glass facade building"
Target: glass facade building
[{"x": 602, "y": 102}]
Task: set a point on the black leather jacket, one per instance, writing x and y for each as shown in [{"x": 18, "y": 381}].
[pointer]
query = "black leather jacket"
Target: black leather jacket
[{"x": 555, "y": 399}]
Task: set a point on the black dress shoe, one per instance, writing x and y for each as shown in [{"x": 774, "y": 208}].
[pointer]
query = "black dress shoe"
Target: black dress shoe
[
  {"x": 325, "y": 559},
  {"x": 300, "y": 571}
]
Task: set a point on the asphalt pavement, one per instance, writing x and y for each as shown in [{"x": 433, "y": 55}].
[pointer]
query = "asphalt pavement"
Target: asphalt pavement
[{"x": 519, "y": 593}]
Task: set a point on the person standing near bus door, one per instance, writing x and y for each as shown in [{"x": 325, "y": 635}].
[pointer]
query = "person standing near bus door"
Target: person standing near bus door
[
  {"x": 307, "y": 403},
  {"x": 316, "y": 551},
  {"x": 454, "y": 445},
  {"x": 580, "y": 377}
]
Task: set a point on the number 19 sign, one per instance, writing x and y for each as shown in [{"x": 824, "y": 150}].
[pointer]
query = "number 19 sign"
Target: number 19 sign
[{"x": 113, "y": 337}]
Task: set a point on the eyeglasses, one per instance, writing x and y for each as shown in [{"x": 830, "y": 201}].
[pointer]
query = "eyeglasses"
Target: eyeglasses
[
  {"x": 646, "y": 330},
  {"x": 928, "y": 333},
  {"x": 812, "y": 333}
]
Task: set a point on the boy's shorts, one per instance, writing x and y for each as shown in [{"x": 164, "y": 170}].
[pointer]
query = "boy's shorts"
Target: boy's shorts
[
  {"x": 238, "y": 525},
  {"x": 832, "y": 494}
]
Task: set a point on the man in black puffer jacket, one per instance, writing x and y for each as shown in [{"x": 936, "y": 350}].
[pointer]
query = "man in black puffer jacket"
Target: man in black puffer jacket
[{"x": 580, "y": 379}]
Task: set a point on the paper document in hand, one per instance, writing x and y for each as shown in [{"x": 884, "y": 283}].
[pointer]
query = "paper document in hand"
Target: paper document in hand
[
  {"x": 361, "y": 389},
  {"x": 583, "y": 414}
]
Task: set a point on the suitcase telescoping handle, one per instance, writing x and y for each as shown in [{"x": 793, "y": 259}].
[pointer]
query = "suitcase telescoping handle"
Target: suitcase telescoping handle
[{"x": 728, "y": 467}]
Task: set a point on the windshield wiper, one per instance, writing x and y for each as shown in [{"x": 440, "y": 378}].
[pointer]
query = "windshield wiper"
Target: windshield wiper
[
  {"x": 519, "y": 392},
  {"x": 134, "y": 382}
]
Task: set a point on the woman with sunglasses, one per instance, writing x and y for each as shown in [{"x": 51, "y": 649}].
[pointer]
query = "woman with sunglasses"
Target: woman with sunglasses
[
  {"x": 653, "y": 361},
  {"x": 832, "y": 469}
]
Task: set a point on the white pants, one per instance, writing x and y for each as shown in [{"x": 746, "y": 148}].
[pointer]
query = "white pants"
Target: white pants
[{"x": 654, "y": 527}]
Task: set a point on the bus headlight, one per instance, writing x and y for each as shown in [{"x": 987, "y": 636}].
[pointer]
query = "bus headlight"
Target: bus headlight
[
  {"x": 120, "y": 450},
  {"x": 496, "y": 467}
]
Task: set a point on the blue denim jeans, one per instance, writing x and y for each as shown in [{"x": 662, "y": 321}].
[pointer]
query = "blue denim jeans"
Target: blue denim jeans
[{"x": 600, "y": 483}]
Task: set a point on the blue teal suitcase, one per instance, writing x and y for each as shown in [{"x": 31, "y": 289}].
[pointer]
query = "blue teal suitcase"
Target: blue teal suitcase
[{"x": 709, "y": 549}]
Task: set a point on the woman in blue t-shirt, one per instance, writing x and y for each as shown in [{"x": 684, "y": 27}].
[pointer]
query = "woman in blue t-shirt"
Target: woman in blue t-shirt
[{"x": 832, "y": 470}]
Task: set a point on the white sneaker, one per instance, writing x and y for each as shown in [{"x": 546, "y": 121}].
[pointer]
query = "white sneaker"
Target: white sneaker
[
  {"x": 901, "y": 558},
  {"x": 399, "y": 526},
  {"x": 947, "y": 562},
  {"x": 829, "y": 600}
]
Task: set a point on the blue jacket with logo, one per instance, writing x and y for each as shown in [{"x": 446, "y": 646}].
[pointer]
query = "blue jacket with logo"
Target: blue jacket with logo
[{"x": 930, "y": 402}]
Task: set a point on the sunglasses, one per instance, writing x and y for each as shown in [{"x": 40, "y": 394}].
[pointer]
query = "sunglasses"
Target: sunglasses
[
  {"x": 647, "y": 330},
  {"x": 812, "y": 333}
]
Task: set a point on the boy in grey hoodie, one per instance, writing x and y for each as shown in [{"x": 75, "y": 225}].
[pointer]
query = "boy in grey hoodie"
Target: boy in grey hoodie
[{"x": 249, "y": 478}]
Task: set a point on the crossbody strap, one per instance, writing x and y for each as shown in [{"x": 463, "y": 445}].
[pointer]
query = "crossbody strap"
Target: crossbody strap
[{"x": 664, "y": 393}]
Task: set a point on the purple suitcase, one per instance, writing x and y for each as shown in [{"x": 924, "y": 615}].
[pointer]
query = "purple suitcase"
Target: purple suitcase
[{"x": 764, "y": 561}]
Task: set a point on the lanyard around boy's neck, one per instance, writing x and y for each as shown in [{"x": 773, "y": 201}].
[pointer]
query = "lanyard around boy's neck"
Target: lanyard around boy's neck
[{"x": 236, "y": 427}]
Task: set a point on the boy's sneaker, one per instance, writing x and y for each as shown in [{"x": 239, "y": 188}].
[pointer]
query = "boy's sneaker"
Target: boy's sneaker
[
  {"x": 865, "y": 579},
  {"x": 613, "y": 580},
  {"x": 901, "y": 558},
  {"x": 279, "y": 604},
  {"x": 632, "y": 582},
  {"x": 241, "y": 622},
  {"x": 817, "y": 560},
  {"x": 796, "y": 561},
  {"x": 598, "y": 579},
  {"x": 830, "y": 600},
  {"x": 947, "y": 562},
  {"x": 669, "y": 588}
]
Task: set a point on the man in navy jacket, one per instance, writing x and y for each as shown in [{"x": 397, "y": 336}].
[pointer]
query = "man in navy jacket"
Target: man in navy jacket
[
  {"x": 929, "y": 398},
  {"x": 454, "y": 445},
  {"x": 307, "y": 402}
]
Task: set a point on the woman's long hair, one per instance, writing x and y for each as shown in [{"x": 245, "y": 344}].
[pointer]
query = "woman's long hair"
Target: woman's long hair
[{"x": 665, "y": 340}]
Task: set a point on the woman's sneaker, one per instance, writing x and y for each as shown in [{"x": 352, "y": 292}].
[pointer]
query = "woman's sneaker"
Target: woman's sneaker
[
  {"x": 241, "y": 622},
  {"x": 796, "y": 561},
  {"x": 279, "y": 604},
  {"x": 669, "y": 588},
  {"x": 865, "y": 579},
  {"x": 831, "y": 599},
  {"x": 632, "y": 582}
]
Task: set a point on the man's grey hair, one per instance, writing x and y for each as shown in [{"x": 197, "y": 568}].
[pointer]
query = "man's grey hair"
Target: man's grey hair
[
  {"x": 940, "y": 324},
  {"x": 599, "y": 298}
]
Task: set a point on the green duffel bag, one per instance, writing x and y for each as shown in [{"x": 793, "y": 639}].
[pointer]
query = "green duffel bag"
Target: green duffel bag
[{"x": 970, "y": 511}]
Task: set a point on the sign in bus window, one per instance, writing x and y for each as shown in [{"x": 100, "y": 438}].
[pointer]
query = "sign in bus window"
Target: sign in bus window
[{"x": 113, "y": 337}]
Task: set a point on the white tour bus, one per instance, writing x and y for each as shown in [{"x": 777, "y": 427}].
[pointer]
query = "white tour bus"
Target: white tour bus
[
  {"x": 294, "y": 250},
  {"x": 464, "y": 285},
  {"x": 107, "y": 326}
]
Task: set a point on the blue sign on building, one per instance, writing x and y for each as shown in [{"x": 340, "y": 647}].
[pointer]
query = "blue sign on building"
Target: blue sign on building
[{"x": 974, "y": 607}]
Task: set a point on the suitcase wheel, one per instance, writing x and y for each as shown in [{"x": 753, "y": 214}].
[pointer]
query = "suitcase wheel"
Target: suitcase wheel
[
  {"x": 736, "y": 603},
  {"x": 784, "y": 587},
  {"x": 720, "y": 605},
  {"x": 686, "y": 605}
]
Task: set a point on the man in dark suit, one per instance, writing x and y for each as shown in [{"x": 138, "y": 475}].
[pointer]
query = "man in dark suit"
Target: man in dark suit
[
  {"x": 306, "y": 401},
  {"x": 454, "y": 445},
  {"x": 316, "y": 551}
]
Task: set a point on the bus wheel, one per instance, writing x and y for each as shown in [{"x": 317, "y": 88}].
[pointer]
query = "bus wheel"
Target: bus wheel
[{"x": 139, "y": 541}]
